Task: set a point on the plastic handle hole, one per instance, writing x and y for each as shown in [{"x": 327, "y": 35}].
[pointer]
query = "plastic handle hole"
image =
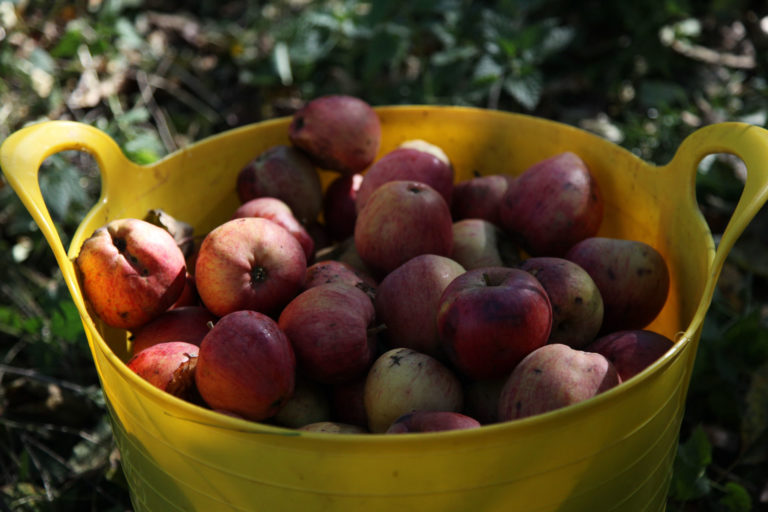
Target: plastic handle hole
[
  {"x": 70, "y": 182},
  {"x": 720, "y": 181}
]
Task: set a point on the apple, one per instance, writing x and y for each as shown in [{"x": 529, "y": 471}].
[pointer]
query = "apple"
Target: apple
[
  {"x": 479, "y": 197},
  {"x": 188, "y": 296},
  {"x": 280, "y": 213},
  {"x": 332, "y": 271},
  {"x": 403, "y": 380},
  {"x": 333, "y": 427},
  {"x": 481, "y": 399},
  {"x": 554, "y": 376},
  {"x": 551, "y": 206},
  {"x": 490, "y": 318},
  {"x": 246, "y": 365},
  {"x": 348, "y": 402},
  {"x": 632, "y": 277},
  {"x": 287, "y": 174},
  {"x": 409, "y": 164},
  {"x": 309, "y": 403},
  {"x": 249, "y": 263},
  {"x": 428, "y": 147},
  {"x": 401, "y": 220},
  {"x": 189, "y": 324},
  {"x": 339, "y": 206},
  {"x": 479, "y": 243},
  {"x": 631, "y": 351},
  {"x": 431, "y": 421},
  {"x": 328, "y": 326},
  {"x": 577, "y": 306},
  {"x": 338, "y": 132},
  {"x": 169, "y": 366},
  {"x": 407, "y": 299},
  {"x": 130, "y": 271}
]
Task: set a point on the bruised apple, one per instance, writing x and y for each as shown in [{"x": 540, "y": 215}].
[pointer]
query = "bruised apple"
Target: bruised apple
[
  {"x": 403, "y": 380},
  {"x": 249, "y": 263},
  {"x": 246, "y": 366},
  {"x": 554, "y": 376},
  {"x": 339, "y": 133},
  {"x": 169, "y": 366},
  {"x": 401, "y": 220},
  {"x": 490, "y": 318},
  {"x": 130, "y": 271}
]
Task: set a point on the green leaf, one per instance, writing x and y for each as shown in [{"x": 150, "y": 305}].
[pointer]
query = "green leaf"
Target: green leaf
[
  {"x": 689, "y": 479},
  {"x": 526, "y": 90},
  {"x": 736, "y": 498},
  {"x": 755, "y": 420},
  {"x": 68, "y": 44},
  {"x": 66, "y": 322}
]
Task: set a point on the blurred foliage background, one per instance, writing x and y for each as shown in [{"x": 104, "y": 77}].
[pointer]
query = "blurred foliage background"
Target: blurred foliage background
[{"x": 158, "y": 75}]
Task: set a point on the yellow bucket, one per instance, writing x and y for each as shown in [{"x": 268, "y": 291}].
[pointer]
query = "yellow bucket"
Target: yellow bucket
[{"x": 612, "y": 452}]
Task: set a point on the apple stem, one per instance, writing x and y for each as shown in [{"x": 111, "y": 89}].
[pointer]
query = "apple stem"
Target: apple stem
[{"x": 377, "y": 329}]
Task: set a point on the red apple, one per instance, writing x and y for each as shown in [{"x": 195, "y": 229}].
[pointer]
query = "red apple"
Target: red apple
[
  {"x": 338, "y": 132},
  {"x": 285, "y": 173},
  {"x": 328, "y": 328},
  {"x": 249, "y": 263},
  {"x": 407, "y": 300},
  {"x": 431, "y": 421},
  {"x": 280, "y": 213},
  {"x": 409, "y": 164},
  {"x": 189, "y": 324},
  {"x": 188, "y": 296},
  {"x": 554, "y": 376},
  {"x": 480, "y": 197},
  {"x": 401, "y": 220},
  {"x": 130, "y": 271},
  {"x": 169, "y": 366},
  {"x": 348, "y": 402},
  {"x": 490, "y": 318},
  {"x": 631, "y": 351},
  {"x": 551, "y": 206},
  {"x": 403, "y": 380},
  {"x": 339, "y": 206},
  {"x": 481, "y": 399},
  {"x": 632, "y": 277},
  {"x": 332, "y": 271},
  {"x": 246, "y": 365}
]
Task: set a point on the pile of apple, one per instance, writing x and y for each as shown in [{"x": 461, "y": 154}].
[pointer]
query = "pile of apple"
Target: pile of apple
[{"x": 397, "y": 300}]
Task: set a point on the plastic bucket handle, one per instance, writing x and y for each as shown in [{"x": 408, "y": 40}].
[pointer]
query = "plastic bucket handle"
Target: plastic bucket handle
[{"x": 750, "y": 144}]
